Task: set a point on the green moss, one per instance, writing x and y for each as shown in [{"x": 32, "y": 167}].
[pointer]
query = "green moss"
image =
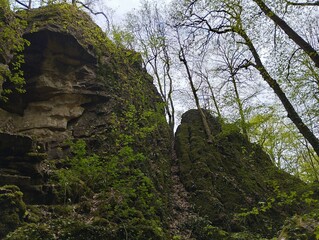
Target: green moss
[
  {"x": 245, "y": 236},
  {"x": 301, "y": 227},
  {"x": 69, "y": 229},
  {"x": 231, "y": 180},
  {"x": 12, "y": 209},
  {"x": 31, "y": 231},
  {"x": 11, "y": 50}
]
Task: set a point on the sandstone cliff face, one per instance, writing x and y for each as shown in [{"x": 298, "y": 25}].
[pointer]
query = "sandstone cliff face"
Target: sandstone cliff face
[
  {"x": 61, "y": 86},
  {"x": 79, "y": 85},
  {"x": 61, "y": 80},
  {"x": 63, "y": 100}
]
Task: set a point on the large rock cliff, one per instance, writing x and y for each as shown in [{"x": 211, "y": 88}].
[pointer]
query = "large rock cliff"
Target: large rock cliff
[
  {"x": 87, "y": 129},
  {"x": 83, "y": 135}
]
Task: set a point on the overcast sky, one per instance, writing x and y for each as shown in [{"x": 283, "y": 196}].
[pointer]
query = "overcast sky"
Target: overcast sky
[{"x": 121, "y": 7}]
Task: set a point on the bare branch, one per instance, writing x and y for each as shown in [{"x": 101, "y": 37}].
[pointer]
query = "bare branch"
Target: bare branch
[
  {"x": 23, "y": 4},
  {"x": 95, "y": 13},
  {"x": 304, "y": 4},
  {"x": 293, "y": 35}
]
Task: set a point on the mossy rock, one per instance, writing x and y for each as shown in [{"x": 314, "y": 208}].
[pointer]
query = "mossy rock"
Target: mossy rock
[
  {"x": 202, "y": 229},
  {"x": 304, "y": 227},
  {"x": 232, "y": 181},
  {"x": 245, "y": 236},
  {"x": 31, "y": 231},
  {"x": 12, "y": 209}
]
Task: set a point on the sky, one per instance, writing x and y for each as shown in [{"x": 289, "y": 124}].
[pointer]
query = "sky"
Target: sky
[{"x": 122, "y": 6}]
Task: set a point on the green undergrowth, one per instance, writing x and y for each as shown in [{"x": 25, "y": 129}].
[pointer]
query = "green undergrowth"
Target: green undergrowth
[
  {"x": 12, "y": 45},
  {"x": 12, "y": 209},
  {"x": 116, "y": 188},
  {"x": 106, "y": 197}
]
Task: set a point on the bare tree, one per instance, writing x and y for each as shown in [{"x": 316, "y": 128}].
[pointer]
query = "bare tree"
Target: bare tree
[
  {"x": 305, "y": 4},
  {"x": 293, "y": 35},
  {"x": 226, "y": 18},
  {"x": 149, "y": 29},
  {"x": 183, "y": 47}
]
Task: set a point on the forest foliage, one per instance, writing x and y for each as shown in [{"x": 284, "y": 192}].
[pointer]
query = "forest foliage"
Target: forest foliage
[{"x": 253, "y": 63}]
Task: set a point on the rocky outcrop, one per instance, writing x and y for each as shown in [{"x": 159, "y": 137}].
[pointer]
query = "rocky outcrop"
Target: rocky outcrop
[
  {"x": 63, "y": 101},
  {"x": 89, "y": 133},
  {"x": 60, "y": 88},
  {"x": 233, "y": 184},
  {"x": 21, "y": 164},
  {"x": 79, "y": 85}
]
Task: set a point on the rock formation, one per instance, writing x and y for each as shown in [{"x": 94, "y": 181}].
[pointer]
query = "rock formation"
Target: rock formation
[
  {"x": 232, "y": 183},
  {"x": 72, "y": 89},
  {"x": 81, "y": 86},
  {"x": 89, "y": 147}
]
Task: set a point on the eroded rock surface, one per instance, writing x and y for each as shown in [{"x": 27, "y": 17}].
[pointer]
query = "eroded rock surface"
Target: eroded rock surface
[
  {"x": 79, "y": 85},
  {"x": 61, "y": 83},
  {"x": 21, "y": 164}
]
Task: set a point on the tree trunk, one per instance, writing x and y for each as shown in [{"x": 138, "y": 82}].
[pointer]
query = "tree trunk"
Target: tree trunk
[
  {"x": 239, "y": 104},
  {"x": 308, "y": 49},
  {"x": 194, "y": 91},
  {"x": 214, "y": 99},
  {"x": 292, "y": 114}
]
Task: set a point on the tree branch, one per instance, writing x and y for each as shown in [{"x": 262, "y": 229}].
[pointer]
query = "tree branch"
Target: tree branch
[
  {"x": 22, "y": 4},
  {"x": 304, "y": 4},
  {"x": 94, "y": 13},
  {"x": 308, "y": 49}
]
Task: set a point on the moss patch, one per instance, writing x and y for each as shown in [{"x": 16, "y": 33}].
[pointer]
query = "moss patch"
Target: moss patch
[
  {"x": 12, "y": 209},
  {"x": 233, "y": 182}
]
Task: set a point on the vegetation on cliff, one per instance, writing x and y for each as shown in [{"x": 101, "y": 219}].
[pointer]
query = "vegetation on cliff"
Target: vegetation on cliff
[
  {"x": 12, "y": 209},
  {"x": 112, "y": 178},
  {"x": 11, "y": 50},
  {"x": 234, "y": 185},
  {"x": 114, "y": 183}
]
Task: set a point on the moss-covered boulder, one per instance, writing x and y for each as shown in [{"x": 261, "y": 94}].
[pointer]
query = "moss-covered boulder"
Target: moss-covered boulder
[
  {"x": 232, "y": 182},
  {"x": 12, "y": 209}
]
